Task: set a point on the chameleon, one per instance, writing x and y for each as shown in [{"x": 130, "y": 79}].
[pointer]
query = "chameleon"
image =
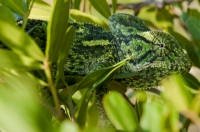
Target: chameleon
[{"x": 153, "y": 54}]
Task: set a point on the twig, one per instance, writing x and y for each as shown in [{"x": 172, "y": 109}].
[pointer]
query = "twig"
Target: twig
[
  {"x": 159, "y": 4},
  {"x": 52, "y": 88},
  {"x": 27, "y": 14}
]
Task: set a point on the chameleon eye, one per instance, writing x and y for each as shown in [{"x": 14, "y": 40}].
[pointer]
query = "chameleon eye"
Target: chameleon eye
[
  {"x": 161, "y": 42},
  {"x": 160, "y": 49},
  {"x": 162, "y": 45}
]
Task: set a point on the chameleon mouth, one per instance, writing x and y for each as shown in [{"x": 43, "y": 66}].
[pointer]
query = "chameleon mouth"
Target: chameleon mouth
[
  {"x": 158, "y": 67},
  {"x": 179, "y": 65}
]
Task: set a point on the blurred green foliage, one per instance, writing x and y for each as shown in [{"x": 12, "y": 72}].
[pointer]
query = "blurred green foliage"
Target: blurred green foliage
[{"x": 31, "y": 94}]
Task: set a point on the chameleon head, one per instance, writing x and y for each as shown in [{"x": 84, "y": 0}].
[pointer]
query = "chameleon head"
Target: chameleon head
[{"x": 154, "y": 54}]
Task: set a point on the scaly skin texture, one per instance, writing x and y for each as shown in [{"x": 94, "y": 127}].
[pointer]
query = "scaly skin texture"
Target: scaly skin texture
[{"x": 154, "y": 54}]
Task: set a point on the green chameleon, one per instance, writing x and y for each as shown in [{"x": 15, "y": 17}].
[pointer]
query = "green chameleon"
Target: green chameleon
[{"x": 154, "y": 54}]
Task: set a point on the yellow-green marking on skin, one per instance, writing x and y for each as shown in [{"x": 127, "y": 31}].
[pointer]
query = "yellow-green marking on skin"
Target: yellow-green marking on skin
[{"x": 96, "y": 42}]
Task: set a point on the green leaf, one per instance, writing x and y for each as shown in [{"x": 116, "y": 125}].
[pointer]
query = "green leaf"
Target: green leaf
[
  {"x": 76, "y": 4},
  {"x": 114, "y": 6},
  {"x": 164, "y": 21},
  {"x": 40, "y": 10},
  {"x": 11, "y": 60},
  {"x": 57, "y": 28},
  {"x": 50, "y": 2},
  {"x": 100, "y": 76},
  {"x": 102, "y": 7},
  {"x": 141, "y": 98},
  {"x": 68, "y": 126},
  {"x": 184, "y": 16},
  {"x": 120, "y": 112},
  {"x": 93, "y": 114},
  {"x": 193, "y": 54},
  {"x": 116, "y": 86},
  {"x": 193, "y": 13},
  {"x": 191, "y": 81},
  {"x": 15, "y": 5},
  {"x": 176, "y": 93},
  {"x": 65, "y": 46},
  {"x": 154, "y": 112},
  {"x": 19, "y": 41},
  {"x": 79, "y": 16},
  {"x": 81, "y": 110},
  {"x": 193, "y": 26},
  {"x": 20, "y": 104},
  {"x": 155, "y": 18},
  {"x": 174, "y": 120},
  {"x": 188, "y": 46},
  {"x": 7, "y": 14}
]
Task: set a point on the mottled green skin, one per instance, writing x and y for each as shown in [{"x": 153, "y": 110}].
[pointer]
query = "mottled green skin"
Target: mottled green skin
[
  {"x": 154, "y": 54},
  {"x": 93, "y": 48}
]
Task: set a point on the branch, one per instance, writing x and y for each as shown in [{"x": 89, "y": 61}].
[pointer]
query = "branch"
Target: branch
[{"x": 159, "y": 4}]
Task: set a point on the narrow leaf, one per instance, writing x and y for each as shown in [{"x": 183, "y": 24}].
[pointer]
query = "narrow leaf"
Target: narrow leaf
[
  {"x": 76, "y": 4},
  {"x": 65, "y": 47},
  {"x": 79, "y": 16},
  {"x": 19, "y": 41},
  {"x": 116, "y": 86},
  {"x": 102, "y": 7},
  {"x": 141, "y": 98},
  {"x": 114, "y": 6},
  {"x": 100, "y": 76},
  {"x": 57, "y": 28},
  {"x": 193, "y": 13},
  {"x": 81, "y": 110},
  {"x": 192, "y": 81},
  {"x": 11, "y": 60},
  {"x": 40, "y": 10},
  {"x": 20, "y": 104},
  {"x": 15, "y": 5},
  {"x": 175, "y": 87},
  {"x": 154, "y": 112},
  {"x": 7, "y": 14},
  {"x": 193, "y": 25}
]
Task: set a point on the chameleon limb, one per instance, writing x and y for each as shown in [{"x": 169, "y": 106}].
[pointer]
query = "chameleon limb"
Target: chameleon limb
[{"x": 105, "y": 123}]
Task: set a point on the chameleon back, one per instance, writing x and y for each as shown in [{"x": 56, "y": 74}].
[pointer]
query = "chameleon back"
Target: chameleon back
[{"x": 93, "y": 48}]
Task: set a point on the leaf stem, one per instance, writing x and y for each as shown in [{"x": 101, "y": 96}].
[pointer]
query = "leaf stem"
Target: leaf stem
[
  {"x": 27, "y": 14},
  {"x": 52, "y": 88}
]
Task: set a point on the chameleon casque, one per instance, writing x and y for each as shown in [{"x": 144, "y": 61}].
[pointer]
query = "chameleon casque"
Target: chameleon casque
[{"x": 154, "y": 54}]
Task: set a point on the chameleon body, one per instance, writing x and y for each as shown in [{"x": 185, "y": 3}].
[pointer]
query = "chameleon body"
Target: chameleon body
[{"x": 154, "y": 54}]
